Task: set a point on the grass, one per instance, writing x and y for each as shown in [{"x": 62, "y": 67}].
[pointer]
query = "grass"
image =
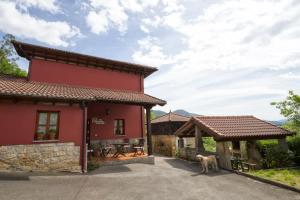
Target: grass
[{"x": 289, "y": 177}]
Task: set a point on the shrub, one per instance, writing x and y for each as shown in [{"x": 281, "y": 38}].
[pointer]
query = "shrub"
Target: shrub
[
  {"x": 92, "y": 166},
  {"x": 294, "y": 146},
  {"x": 273, "y": 155},
  {"x": 177, "y": 154}
]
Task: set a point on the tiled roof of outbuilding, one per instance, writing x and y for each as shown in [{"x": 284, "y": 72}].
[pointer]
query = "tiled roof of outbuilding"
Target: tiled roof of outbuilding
[
  {"x": 170, "y": 117},
  {"x": 233, "y": 127},
  {"x": 22, "y": 88}
]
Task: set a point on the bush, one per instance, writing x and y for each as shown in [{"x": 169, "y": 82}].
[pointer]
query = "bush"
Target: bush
[
  {"x": 209, "y": 144},
  {"x": 273, "y": 155},
  {"x": 92, "y": 166},
  {"x": 294, "y": 146}
]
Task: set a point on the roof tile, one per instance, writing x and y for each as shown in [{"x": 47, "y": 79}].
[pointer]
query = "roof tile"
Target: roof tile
[{"x": 21, "y": 87}]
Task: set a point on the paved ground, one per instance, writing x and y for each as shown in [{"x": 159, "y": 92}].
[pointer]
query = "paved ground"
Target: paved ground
[{"x": 167, "y": 179}]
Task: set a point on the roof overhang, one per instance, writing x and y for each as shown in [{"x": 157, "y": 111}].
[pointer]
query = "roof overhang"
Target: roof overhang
[
  {"x": 30, "y": 51},
  {"x": 20, "y": 88}
]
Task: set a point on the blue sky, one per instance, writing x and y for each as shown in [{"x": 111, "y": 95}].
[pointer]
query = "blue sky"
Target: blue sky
[{"x": 214, "y": 57}]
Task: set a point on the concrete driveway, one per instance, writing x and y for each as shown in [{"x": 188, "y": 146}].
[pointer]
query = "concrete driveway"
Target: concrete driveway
[{"x": 167, "y": 179}]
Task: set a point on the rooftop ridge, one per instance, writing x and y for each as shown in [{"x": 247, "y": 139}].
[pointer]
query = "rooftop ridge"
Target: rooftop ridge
[{"x": 29, "y": 51}]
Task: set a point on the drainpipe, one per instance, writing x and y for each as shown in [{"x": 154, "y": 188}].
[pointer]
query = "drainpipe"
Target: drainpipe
[
  {"x": 83, "y": 148},
  {"x": 149, "y": 133}
]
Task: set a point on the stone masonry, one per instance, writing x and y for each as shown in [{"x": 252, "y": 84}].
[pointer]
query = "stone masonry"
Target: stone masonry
[{"x": 41, "y": 157}]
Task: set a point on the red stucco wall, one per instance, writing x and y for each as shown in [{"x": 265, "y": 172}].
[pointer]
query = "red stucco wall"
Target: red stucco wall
[
  {"x": 55, "y": 72},
  {"x": 18, "y": 121},
  {"x": 131, "y": 114}
]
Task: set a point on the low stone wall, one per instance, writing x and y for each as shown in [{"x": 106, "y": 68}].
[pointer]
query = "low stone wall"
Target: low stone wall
[
  {"x": 41, "y": 157},
  {"x": 187, "y": 153}
]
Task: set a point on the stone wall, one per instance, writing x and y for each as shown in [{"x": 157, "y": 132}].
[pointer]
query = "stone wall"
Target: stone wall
[
  {"x": 187, "y": 153},
  {"x": 41, "y": 157}
]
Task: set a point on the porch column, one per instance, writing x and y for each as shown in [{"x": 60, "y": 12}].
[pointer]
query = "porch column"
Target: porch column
[
  {"x": 149, "y": 133},
  {"x": 283, "y": 144},
  {"x": 198, "y": 141}
]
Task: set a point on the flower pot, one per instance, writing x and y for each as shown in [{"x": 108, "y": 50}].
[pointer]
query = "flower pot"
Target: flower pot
[
  {"x": 39, "y": 136},
  {"x": 52, "y": 136}
]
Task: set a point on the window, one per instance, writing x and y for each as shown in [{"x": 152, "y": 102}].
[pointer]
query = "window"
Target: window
[
  {"x": 119, "y": 128},
  {"x": 236, "y": 145},
  {"x": 47, "y": 125}
]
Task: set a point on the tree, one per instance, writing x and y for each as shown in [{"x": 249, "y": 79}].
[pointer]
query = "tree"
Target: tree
[
  {"x": 290, "y": 108},
  {"x": 8, "y": 58}
]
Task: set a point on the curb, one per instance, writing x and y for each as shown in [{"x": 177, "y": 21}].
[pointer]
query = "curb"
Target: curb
[{"x": 274, "y": 183}]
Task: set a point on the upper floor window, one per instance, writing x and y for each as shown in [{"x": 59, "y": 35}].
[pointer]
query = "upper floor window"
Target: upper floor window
[
  {"x": 119, "y": 128},
  {"x": 47, "y": 125}
]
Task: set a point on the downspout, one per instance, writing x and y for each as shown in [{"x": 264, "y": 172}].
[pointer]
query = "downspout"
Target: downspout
[
  {"x": 149, "y": 133},
  {"x": 83, "y": 149}
]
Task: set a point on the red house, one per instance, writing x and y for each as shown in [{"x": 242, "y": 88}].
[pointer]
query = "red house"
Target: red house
[{"x": 67, "y": 101}]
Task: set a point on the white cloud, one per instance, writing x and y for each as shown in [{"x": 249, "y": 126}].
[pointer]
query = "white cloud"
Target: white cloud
[
  {"x": 46, "y": 5},
  {"x": 255, "y": 40},
  {"x": 105, "y": 15},
  {"x": 22, "y": 24},
  {"x": 290, "y": 75},
  {"x": 154, "y": 55}
]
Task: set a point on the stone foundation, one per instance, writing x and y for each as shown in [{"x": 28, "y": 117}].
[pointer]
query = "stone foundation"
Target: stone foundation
[{"x": 41, "y": 157}]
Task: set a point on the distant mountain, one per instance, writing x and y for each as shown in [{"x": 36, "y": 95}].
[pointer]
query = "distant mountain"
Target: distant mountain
[
  {"x": 182, "y": 112},
  {"x": 158, "y": 113},
  {"x": 278, "y": 122}
]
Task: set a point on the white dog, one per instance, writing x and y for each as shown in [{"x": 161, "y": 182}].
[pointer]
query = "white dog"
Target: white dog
[{"x": 205, "y": 161}]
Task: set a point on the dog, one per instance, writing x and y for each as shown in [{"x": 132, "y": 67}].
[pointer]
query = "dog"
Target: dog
[{"x": 207, "y": 161}]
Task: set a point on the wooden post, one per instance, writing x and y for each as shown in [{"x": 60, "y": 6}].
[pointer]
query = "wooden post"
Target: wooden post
[
  {"x": 198, "y": 141},
  {"x": 283, "y": 144},
  {"x": 149, "y": 133}
]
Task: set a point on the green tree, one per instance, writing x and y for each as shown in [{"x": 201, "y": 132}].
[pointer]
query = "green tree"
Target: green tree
[
  {"x": 8, "y": 58},
  {"x": 290, "y": 108}
]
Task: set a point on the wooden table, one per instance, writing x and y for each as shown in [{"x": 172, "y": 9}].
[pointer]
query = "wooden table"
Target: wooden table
[{"x": 120, "y": 149}]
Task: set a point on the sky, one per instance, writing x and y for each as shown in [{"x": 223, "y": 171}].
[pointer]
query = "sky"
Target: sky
[{"x": 215, "y": 57}]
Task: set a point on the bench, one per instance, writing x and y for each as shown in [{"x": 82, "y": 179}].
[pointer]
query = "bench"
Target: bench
[{"x": 246, "y": 166}]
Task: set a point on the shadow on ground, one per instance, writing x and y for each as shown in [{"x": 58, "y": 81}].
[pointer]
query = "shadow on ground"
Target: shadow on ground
[
  {"x": 25, "y": 176},
  {"x": 193, "y": 167},
  {"x": 110, "y": 169}
]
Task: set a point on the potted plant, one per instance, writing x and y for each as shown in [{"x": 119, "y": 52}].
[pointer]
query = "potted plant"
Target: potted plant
[
  {"x": 40, "y": 135},
  {"x": 52, "y": 134}
]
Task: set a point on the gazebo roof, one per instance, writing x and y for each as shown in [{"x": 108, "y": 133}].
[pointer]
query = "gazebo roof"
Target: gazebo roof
[{"x": 232, "y": 128}]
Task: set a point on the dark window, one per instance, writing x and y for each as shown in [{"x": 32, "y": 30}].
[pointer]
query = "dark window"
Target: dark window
[
  {"x": 119, "y": 127},
  {"x": 47, "y": 125},
  {"x": 236, "y": 145}
]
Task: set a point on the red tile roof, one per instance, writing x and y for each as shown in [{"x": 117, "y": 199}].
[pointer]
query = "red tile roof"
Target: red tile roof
[
  {"x": 170, "y": 117},
  {"x": 21, "y": 88},
  {"x": 233, "y": 127},
  {"x": 30, "y": 51}
]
